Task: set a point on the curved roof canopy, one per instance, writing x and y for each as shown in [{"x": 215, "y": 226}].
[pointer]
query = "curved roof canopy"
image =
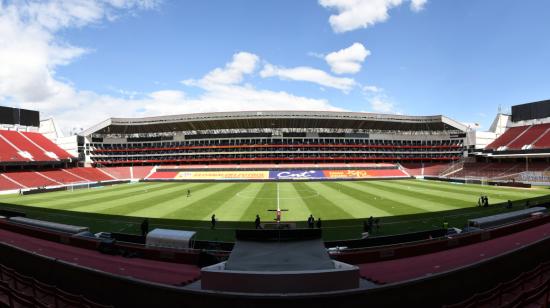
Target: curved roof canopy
[{"x": 274, "y": 119}]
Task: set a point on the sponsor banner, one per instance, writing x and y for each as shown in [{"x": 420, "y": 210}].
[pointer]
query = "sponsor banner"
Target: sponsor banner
[
  {"x": 296, "y": 174},
  {"x": 280, "y": 174},
  {"x": 223, "y": 175},
  {"x": 346, "y": 174}
]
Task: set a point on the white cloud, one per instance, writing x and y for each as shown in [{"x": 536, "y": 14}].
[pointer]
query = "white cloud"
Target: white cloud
[
  {"x": 224, "y": 91},
  {"x": 81, "y": 109},
  {"x": 31, "y": 50},
  {"x": 57, "y": 14},
  {"x": 347, "y": 60},
  {"x": 316, "y": 55},
  {"x": 243, "y": 63},
  {"x": 378, "y": 100},
  {"x": 372, "y": 89},
  {"x": 309, "y": 74},
  {"x": 377, "y": 104},
  {"x": 240, "y": 98},
  {"x": 355, "y": 14},
  {"x": 418, "y": 5}
]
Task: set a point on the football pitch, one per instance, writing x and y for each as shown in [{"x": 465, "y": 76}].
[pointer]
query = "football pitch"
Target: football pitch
[{"x": 401, "y": 205}]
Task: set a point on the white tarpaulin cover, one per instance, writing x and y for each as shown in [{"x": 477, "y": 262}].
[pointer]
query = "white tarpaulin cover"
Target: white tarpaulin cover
[
  {"x": 166, "y": 238},
  {"x": 493, "y": 220},
  {"x": 49, "y": 225}
]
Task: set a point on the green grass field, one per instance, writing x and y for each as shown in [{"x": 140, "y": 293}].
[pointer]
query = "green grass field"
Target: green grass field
[{"x": 402, "y": 205}]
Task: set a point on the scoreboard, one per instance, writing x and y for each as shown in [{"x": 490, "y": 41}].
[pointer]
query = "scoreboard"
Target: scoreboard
[
  {"x": 531, "y": 111},
  {"x": 16, "y": 116}
]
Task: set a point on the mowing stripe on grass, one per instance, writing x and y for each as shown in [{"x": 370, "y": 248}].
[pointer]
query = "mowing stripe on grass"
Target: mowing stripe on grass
[
  {"x": 294, "y": 203},
  {"x": 198, "y": 208},
  {"x": 478, "y": 189},
  {"x": 77, "y": 195},
  {"x": 214, "y": 204},
  {"x": 421, "y": 203},
  {"x": 44, "y": 197},
  {"x": 495, "y": 196},
  {"x": 507, "y": 192},
  {"x": 112, "y": 197},
  {"x": 98, "y": 197},
  {"x": 340, "y": 200},
  {"x": 362, "y": 208},
  {"x": 146, "y": 207},
  {"x": 235, "y": 206},
  {"x": 395, "y": 206},
  {"x": 425, "y": 193},
  {"x": 320, "y": 206},
  {"x": 266, "y": 199},
  {"x": 112, "y": 205},
  {"x": 466, "y": 196}
]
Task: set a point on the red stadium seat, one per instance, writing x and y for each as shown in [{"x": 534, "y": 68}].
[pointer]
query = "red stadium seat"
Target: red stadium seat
[
  {"x": 508, "y": 136},
  {"x": 30, "y": 179},
  {"x": 543, "y": 142},
  {"x": 44, "y": 293},
  {"x": 140, "y": 172},
  {"x": 47, "y": 145},
  {"x": 91, "y": 174},
  {"x": 24, "y": 144},
  {"x": 529, "y": 289},
  {"x": 20, "y": 300},
  {"x": 9, "y": 153},
  {"x": 4, "y": 294},
  {"x": 18, "y": 146},
  {"x": 17, "y": 290},
  {"x": 6, "y": 184},
  {"x": 62, "y": 176},
  {"x": 121, "y": 173},
  {"x": 528, "y": 137}
]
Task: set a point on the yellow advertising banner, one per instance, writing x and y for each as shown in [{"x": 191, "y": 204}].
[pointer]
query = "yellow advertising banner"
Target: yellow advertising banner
[
  {"x": 223, "y": 175},
  {"x": 346, "y": 174}
]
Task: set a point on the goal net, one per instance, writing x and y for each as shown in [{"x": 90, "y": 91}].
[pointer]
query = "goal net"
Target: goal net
[
  {"x": 78, "y": 185},
  {"x": 476, "y": 180},
  {"x": 483, "y": 181}
]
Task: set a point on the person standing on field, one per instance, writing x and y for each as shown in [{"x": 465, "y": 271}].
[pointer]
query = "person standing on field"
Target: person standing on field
[
  {"x": 310, "y": 221},
  {"x": 213, "y": 222},
  {"x": 145, "y": 227},
  {"x": 257, "y": 222}
]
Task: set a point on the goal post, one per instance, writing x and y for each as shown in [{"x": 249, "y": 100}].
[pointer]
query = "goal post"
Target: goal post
[
  {"x": 476, "y": 180},
  {"x": 78, "y": 185},
  {"x": 483, "y": 181}
]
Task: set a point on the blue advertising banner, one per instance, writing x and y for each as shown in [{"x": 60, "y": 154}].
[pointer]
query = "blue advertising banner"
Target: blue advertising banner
[{"x": 296, "y": 174}]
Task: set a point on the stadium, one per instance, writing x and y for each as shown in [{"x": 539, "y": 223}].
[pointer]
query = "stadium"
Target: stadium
[{"x": 275, "y": 207}]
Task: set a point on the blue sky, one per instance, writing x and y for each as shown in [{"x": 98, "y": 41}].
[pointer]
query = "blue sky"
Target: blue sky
[{"x": 82, "y": 62}]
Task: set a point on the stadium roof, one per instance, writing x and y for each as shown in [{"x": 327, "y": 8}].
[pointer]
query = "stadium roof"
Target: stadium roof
[{"x": 274, "y": 119}]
